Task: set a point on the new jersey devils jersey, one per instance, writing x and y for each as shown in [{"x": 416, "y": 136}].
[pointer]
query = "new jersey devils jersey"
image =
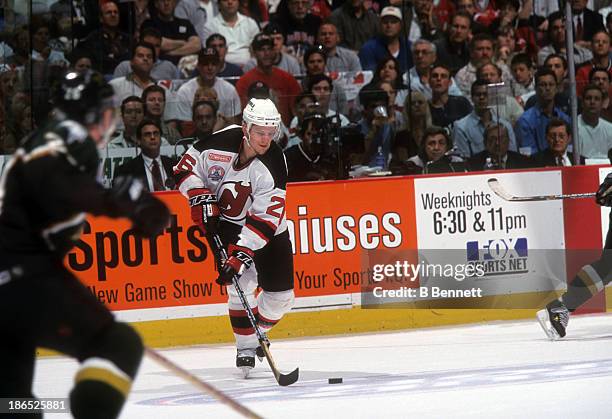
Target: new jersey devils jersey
[{"x": 251, "y": 196}]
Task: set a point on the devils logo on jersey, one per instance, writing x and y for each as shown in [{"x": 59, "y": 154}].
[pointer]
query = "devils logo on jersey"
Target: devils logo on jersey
[{"x": 233, "y": 199}]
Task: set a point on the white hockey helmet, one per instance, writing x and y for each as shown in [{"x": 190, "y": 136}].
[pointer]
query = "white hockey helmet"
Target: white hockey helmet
[{"x": 262, "y": 112}]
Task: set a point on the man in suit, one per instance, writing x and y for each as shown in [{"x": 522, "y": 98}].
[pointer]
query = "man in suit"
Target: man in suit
[
  {"x": 154, "y": 170},
  {"x": 558, "y": 136},
  {"x": 496, "y": 155},
  {"x": 586, "y": 23}
]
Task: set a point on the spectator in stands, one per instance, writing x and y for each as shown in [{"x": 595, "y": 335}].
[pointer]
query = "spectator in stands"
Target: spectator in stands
[
  {"x": 255, "y": 9},
  {"x": 586, "y": 23},
  {"x": 154, "y": 169},
  {"x": 321, "y": 87},
  {"x": 506, "y": 105},
  {"x": 558, "y": 136},
  {"x": 162, "y": 69},
  {"x": 132, "y": 113},
  {"x": 531, "y": 126},
  {"x": 602, "y": 78},
  {"x": 299, "y": 26},
  {"x": 469, "y": 131},
  {"x": 204, "y": 119},
  {"x": 601, "y": 58},
  {"x": 80, "y": 61},
  {"x": 445, "y": 108},
  {"x": 42, "y": 51},
  {"x": 282, "y": 84},
  {"x": 387, "y": 70},
  {"x": 219, "y": 43},
  {"x": 339, "y": 59},
  {"x": 468, "y": 8},
  {"x": 452, "y": 50},
  {"x": 237, "y": 29},
  {"x": 356, "y": 24},
  {"x": 417, "y": 78},
  {"x": 424, "y": 23},
  {"x": 389, "y": 42},
  {"x": 199, "y": 13},
  {"x": 154, "y": 99},
  {"x": 142, "y": 12},
  {"x": 417, "y": 117},
  {"x": 432, "y": 157},
  {"x": 522, "y": 82},
  {"x": 315, "y": 60},
  {"x": 378, "y": 132},
  {"x": 594, "y": 133},
  {"x": 558, "y": 65},
  {"x": 282, "y": 60},
  {"x": 179, "y": 37},
  {"x": 304, "y": 103},
  {"x": 208, "y": 68},
  {"x": 140, "y": 78},
  {"x": 306, "y": 160},
  {"x": 396, "y": 118},
  {"x": 557, "y": 44},
  {"x": 111, "y": 46},
  {"x": 481, "y": 52},
  {"x": 496, "y": 155}
]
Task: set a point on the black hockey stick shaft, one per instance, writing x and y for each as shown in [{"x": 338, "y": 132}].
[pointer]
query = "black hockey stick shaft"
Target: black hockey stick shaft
[
  {"x": 282, "y": 379},
  {"x": 200, "y": 384}
]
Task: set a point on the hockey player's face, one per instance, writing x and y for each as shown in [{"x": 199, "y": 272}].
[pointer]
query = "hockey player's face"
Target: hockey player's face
[{"x": 261, "y": 138}]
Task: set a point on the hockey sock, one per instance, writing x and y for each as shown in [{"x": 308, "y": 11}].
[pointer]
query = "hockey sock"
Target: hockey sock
[{"x": 590, "y": 280}]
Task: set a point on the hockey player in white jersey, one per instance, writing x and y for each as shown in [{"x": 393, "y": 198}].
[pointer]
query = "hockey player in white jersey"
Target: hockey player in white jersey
[{"x": 235, "y": 181}]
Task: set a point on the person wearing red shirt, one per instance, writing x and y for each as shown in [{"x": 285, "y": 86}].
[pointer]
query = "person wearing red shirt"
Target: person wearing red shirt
[{"x": 283, "y": 86}]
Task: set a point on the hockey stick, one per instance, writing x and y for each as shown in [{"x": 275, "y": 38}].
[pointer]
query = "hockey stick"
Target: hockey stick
[
  {"x": 503, "y": 194},
  {"x": 282, "y": 379},
  {"x": 203, "y": 386}
]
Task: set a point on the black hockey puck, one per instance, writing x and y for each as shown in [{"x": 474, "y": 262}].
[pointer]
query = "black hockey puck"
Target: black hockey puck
[{"x": 334, "y": 380}]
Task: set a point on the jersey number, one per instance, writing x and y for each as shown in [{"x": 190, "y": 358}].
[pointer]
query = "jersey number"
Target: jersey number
[
  {"x": 186, "y": 164},
  {"x": 277, "y": 209}
]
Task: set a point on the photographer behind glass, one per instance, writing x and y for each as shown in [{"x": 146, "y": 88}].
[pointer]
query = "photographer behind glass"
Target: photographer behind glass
[
  {"x": 375, "y": 127},
  {"x": 313, "y": 158}
]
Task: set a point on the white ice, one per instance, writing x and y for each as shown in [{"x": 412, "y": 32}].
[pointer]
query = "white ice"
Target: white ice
[{"x": 495, "y": 370}]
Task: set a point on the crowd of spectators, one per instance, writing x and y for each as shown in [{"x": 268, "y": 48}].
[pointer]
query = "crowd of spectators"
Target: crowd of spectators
[{"x": 410, "y": 87}]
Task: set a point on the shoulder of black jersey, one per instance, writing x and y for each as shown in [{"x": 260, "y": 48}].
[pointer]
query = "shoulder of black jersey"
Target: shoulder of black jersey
[
  {"x": 227, "y": 139},
  {"x": 274, "y": 160}
]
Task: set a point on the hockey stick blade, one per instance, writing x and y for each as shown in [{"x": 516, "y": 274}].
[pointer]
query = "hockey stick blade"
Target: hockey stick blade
[
  {"x": 503, "y": 194},
  {"x": 282, "y": 379}
]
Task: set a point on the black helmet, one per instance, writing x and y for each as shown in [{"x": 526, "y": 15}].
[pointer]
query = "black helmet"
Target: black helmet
[{"x": 83, "y": 97}]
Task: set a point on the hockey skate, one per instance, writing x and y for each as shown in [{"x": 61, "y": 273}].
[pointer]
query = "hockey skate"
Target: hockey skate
[
  {"x": 554, "y": 319},
  {"x": 245, "y": 360},
  {"x": 260, "y": 353}
]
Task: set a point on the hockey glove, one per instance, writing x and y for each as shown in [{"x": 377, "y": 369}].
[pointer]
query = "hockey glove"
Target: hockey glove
[
  {"x": 604, "y": 194},
  {"x": 204, "y": 209},
  {"x": 149, "y": 215},
  {"x": 239, "y": 258}
]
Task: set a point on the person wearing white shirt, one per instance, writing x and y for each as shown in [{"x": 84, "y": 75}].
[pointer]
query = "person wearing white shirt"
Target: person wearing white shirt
[
  {"x": 594, "y": 133},
  {"x": 208, "y": 67},
  {"x": 238, "y": 29}
]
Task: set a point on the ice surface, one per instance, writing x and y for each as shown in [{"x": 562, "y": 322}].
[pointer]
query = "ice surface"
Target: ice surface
[{"x": 504, "y": 369}]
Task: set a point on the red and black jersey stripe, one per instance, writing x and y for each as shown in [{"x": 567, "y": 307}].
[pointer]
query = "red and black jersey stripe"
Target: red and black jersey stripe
[{"x": 261, "y": 227}]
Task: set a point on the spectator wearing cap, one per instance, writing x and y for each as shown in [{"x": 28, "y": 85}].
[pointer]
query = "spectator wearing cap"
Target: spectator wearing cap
[
  {"x": 179, "y": 37},
  {"x": 162, "y": 69},
  {"x": 282, "y": 60},
  {"x": 109, "y": 43},
  {"x": 237, "y": 29},
  {"x": 208, "y": 69},
  {"x": 452, "y": 50},
  {"x": 389, "y": 42},
  {"x": 283, "y": 85},
  {"x": 314, "y": 63},
  {"x": 298, "y": 25},
  {"x": 219, "y": 43},
  {"x": 356, "y": 24},
  {"x": 339, "y": 59}
]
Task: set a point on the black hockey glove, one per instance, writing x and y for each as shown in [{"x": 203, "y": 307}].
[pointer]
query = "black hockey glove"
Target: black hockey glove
[
  {"x": 239, "y": 258},
  {"x": 149, "y": 215},
  {"x": 204, "y": 210},
  {"x": 604, "y": 193}
]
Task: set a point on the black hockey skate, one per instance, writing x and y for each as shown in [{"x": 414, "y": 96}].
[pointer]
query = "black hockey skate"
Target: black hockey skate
[
  {"x": 245, "y": 360},
  {"x": 260, "y": 353},
  {"x": 554, "y": 319}
]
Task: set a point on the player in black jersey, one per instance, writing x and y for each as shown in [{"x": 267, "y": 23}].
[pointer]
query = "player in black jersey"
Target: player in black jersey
[
  {"x": 45, "y": 191},
  {"x": 589, "y": 281},
  {"x": 236, "y": 184}
]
